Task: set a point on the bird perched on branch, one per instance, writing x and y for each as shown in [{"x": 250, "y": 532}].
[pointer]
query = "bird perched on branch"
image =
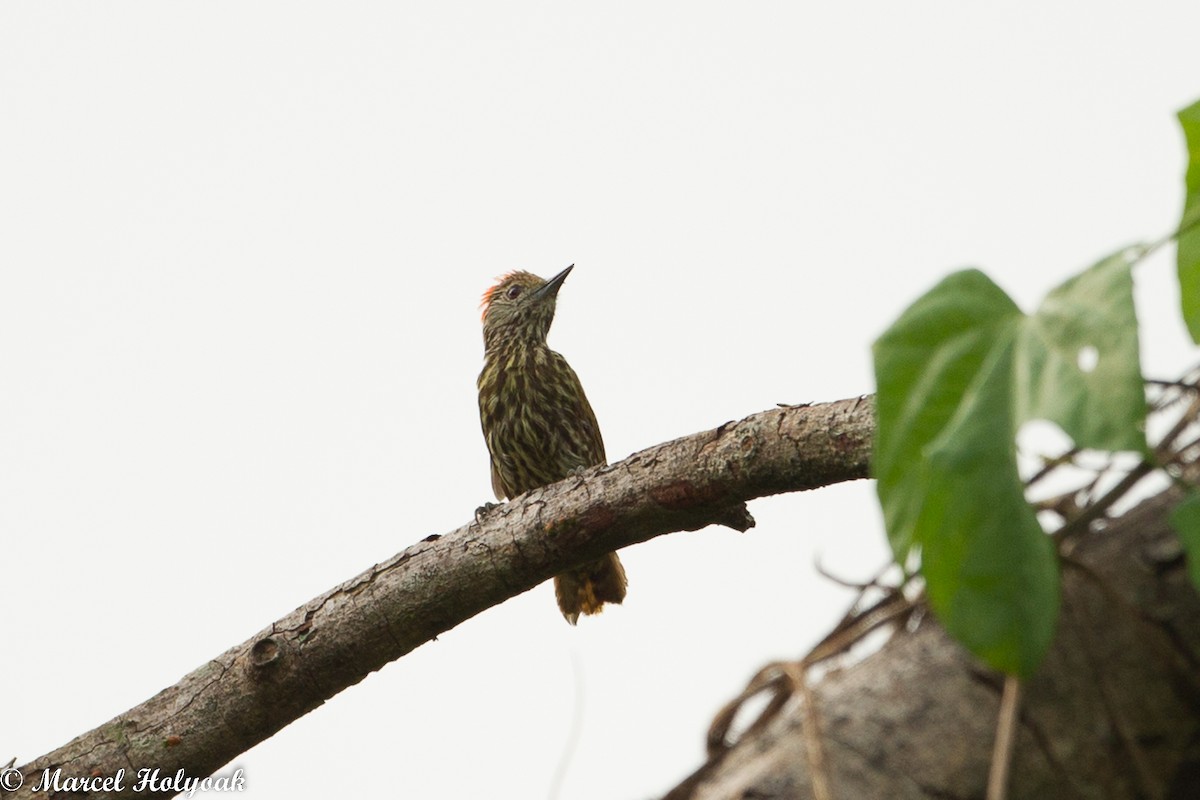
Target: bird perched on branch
[{"x": 537, "y": 421}]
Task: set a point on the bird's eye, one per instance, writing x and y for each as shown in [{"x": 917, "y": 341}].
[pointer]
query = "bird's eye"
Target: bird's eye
[{"x": 513, "y": 292}]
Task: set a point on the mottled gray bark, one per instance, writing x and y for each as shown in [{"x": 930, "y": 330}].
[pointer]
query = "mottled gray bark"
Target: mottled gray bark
[
  {"x": 254, "y": 689},
  {"x": 1112, "y": 714}
]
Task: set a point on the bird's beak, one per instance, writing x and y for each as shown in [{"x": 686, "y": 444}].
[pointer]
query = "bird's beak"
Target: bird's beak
[{"x": 551, "y": 287}]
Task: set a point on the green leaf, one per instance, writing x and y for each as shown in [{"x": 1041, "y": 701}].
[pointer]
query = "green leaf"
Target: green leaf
[
  {"x": 1186, "y": 521},
  {"x": 990, "y": 571},
  {"x": 957, "y": 375},
  {"x": 1188, "y": 252},
  {"x": 1078, "y": 360},
  {"x": 923, "y": 364},
  {"x": 945, "y": 461}
]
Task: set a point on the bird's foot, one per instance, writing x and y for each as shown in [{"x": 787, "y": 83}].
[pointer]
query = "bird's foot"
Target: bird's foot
[{"x": 483, "y": 509}]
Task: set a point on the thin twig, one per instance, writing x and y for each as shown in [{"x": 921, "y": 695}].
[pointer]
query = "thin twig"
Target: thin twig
[
  {"x": 1051, "y": 464},
  {"x": 1080, "y": 523},
  {"x": 1187, "y": 418},
  {"x": 1190, "y": 221},
  {"x": 1006, "y": 731},
  {"x": 1184, "y": 385},
  {"x": 851, "y": 631},
  {"x": 814, "y": 744},
  {"x": 774, "y": 678},
  {"x": 873, "y": 583},
  {"x": 778, "y": 678}
]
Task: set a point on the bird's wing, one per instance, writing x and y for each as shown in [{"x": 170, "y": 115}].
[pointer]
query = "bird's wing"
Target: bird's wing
[
  {"x": 587, "y": 421},
  {"x": 497, "y": 483}
]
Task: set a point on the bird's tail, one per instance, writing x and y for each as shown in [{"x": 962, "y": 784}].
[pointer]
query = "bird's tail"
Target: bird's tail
[{"x": 585, "y": 589}]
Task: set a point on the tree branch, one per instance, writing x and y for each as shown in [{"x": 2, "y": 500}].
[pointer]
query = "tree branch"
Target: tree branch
[{"x": 254, "y": 689}]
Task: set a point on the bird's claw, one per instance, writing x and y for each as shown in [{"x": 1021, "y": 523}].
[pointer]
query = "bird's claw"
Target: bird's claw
[{"x": 483, "y": 509}]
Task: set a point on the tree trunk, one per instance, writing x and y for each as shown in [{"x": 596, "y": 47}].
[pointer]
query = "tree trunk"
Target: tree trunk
[{"x": 1113, "y": 712}]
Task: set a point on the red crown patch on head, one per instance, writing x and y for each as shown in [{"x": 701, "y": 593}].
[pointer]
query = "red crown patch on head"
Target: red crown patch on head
[
  {"x": 486, "y": 300},
  {"x": 491, "y": 293}
]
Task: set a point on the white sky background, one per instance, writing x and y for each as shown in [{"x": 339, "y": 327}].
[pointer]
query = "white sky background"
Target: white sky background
[{"x": 241, "y": 253}]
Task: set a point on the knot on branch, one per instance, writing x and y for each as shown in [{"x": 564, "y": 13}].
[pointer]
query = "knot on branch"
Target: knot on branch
[{"x": 264, "y": 653}]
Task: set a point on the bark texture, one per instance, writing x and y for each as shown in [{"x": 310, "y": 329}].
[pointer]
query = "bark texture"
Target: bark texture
[
  {"x": 1113, "y": 713},
  {"x": 254, "y": 689}
]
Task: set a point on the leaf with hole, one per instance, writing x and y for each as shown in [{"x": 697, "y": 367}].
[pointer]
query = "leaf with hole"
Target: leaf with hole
[
  {"x": 1077, "y": 363},
  {"x": 957, "y": 375}
]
